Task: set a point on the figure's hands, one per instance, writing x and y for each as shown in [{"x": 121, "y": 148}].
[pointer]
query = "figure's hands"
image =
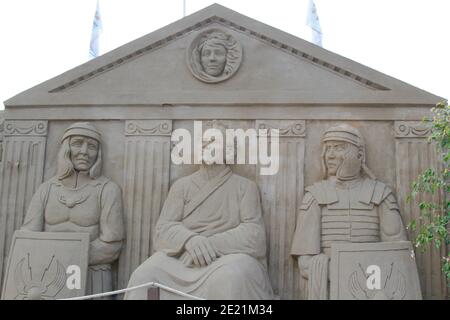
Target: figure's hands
[
  {"x": 187, "y": 259},
  {"x": 201, "y": 251}
]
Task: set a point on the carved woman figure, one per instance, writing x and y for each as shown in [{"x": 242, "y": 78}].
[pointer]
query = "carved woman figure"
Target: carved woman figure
[
  {"x": 80, "y": 199},
  {"x": 214, "y": 56}
]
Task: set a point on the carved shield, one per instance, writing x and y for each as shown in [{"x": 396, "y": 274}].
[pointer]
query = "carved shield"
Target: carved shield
[
  {"x": 41, "y": 263},
  {"x": 371, "y": 271}
]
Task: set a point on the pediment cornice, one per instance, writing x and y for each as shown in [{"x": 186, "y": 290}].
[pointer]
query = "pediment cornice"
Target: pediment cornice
[{"x": 297, "y": 52}]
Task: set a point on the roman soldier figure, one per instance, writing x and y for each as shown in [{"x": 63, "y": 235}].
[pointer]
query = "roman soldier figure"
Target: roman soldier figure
[{"x": 348, "y": 206}]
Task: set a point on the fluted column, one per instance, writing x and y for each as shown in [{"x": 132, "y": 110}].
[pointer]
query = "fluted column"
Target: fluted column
[
  {"x": 281, "y": 195},
  {"x": 21, "y": 173},
  {"x": 2, "y": 120},
  {"x": 413, "y": 155},
  {"x": 146, "y": 184}
]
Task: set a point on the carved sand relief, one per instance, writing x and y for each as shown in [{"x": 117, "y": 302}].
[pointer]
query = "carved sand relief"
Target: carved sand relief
[
  {"x": 161, "y": 82},
  {"x": 393, "y": 288},
  {"x": 414, "y": 153},
  {"x": 374, "y": 271},
  {"x": 22, "y": 170},
  {"x": 42, "y": 265},
  {"x": 214, "y": 56},
  {"x": 80, "y": 199},
  {"x": 146, "y": 184},
  {"x": 2, "y": 121},
  {"x": 210, "y": 238},
  {"x": 48, "y": 283},
  {"x": 348, "y": 206}
]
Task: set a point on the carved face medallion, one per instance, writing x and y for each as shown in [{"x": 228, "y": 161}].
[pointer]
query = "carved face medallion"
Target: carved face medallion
[
  {"x": 83, "y": 152},
  {"x": 214, "y": 56}
]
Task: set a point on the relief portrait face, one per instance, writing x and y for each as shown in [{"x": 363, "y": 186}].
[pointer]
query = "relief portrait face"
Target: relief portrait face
[
  {"x": 335, "y": 154},
  {"x": 83, "y": 152},
  {"x": 213, "y": 58}
]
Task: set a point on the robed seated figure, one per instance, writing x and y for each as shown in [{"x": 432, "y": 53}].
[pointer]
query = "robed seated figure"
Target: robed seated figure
[
  {"x": 210, "y": 239},
  {"x": 348, "y": 206}
]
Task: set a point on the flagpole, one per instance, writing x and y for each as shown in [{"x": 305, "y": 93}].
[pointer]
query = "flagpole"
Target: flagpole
[{"x": 184, "y": 8}]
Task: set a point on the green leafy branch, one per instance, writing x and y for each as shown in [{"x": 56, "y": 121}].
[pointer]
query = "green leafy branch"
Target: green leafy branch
[{"x": 435, "y": 214}]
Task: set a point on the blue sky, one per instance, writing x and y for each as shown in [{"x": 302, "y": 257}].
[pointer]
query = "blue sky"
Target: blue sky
[{"x": 406, "y": 39}]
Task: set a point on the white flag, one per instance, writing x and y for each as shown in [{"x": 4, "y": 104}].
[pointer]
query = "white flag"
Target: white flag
[
  {"x": 312, "y": 20},
  {"x": 97, "y": 28}
]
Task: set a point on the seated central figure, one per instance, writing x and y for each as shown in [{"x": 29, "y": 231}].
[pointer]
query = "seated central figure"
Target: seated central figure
[{"x": 210, "y": 239}]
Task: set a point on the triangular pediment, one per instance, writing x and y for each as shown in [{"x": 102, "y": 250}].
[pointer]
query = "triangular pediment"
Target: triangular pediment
[{"x": 275, "y": 67}]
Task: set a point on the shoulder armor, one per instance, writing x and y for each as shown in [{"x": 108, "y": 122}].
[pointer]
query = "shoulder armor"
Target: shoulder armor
[
  {"x": 315, "y": 191},
  {"x": 308, "y": 199},
  {"x": 323, "y": 192}
]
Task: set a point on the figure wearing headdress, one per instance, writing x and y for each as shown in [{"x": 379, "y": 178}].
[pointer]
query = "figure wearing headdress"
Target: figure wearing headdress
[
  {"x": 80, "y": 199},
  {"x": 348, "y": 206}
]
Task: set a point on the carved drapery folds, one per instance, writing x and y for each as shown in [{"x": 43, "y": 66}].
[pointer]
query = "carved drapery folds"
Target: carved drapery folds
[
  {"x": 413, "y": 155},
  {"x": 280, "y": 195},
  {"x": 21, "y": 173},
  {"x": 146, "y": 183}
]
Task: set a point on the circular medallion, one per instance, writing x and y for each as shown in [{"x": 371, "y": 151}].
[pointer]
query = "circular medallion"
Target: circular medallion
[{"x": 214, "y": 56}]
